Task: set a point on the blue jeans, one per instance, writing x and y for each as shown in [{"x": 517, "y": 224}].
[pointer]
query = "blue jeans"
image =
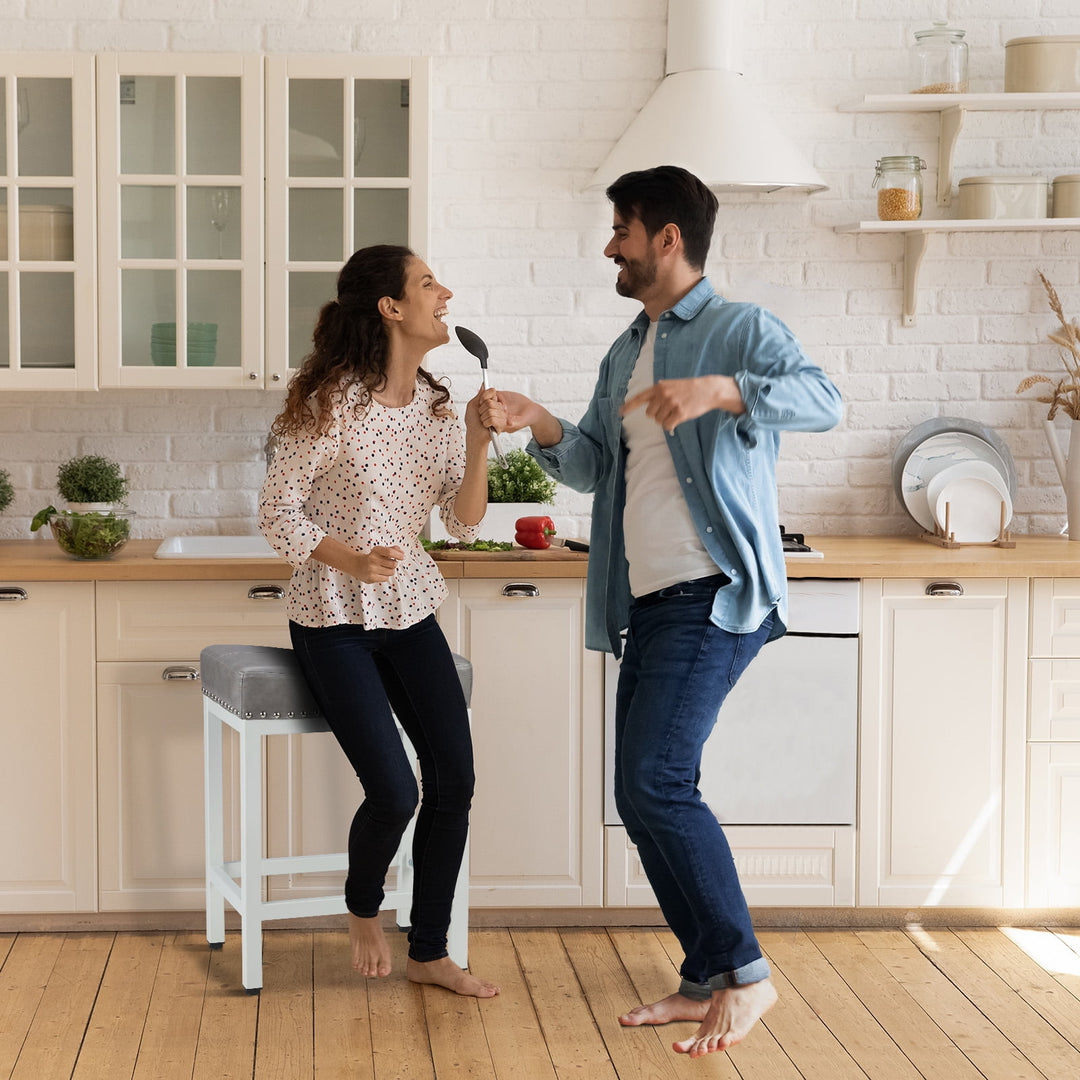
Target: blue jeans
[
  {"x": 357, "y": 676},
  {"x": 676, "y": 671}
]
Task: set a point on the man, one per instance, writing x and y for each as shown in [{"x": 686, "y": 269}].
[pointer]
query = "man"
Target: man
[{"x": 679, "y": 446}]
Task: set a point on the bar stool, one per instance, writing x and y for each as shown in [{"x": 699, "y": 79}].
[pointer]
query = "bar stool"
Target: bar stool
[{"x": 258, "y": 690}]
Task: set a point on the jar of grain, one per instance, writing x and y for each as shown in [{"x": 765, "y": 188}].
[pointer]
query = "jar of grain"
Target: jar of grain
[
  {"x": 939, "y": 61},
  {"x": 898, "y": 181}
]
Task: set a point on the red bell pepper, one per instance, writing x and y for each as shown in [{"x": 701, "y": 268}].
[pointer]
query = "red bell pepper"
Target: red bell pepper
[{"x": 533, "y": 532}]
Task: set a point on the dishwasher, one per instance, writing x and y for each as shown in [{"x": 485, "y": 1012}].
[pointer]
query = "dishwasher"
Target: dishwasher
[{"x": 784, "y": 749}]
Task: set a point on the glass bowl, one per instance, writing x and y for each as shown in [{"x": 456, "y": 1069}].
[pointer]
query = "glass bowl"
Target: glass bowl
[{"x": 95, "y": 535}]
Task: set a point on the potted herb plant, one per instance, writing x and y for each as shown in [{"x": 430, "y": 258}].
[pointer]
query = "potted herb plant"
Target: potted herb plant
[
  {"x": 521, "y": 489},
  {"x": 93, "y": 526},
  {"x": 7, "y": 490}
]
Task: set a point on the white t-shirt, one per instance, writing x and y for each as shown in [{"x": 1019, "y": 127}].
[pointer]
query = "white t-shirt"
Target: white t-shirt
[{"x": 662, "y": 545}]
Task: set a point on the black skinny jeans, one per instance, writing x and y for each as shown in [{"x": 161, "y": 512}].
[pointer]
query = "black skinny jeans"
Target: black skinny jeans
[{"x": 357, "y": 676}]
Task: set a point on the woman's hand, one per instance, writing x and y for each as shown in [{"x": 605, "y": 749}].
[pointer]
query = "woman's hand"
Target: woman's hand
[
  {"x": 478, "y": 418},
  {"x": 378, "y": 565}
]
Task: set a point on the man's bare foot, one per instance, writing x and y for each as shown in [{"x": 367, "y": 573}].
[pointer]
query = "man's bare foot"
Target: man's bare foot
[
  {"x": 370, "y": 949},
  {"x": 673, "y": 1007},
  {"x": 446, "y": 973},
  {"x": 731, "y": 1014}
]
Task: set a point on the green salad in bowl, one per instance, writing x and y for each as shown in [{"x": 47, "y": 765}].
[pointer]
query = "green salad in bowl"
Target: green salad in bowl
[{"x": 93, "y": 535}]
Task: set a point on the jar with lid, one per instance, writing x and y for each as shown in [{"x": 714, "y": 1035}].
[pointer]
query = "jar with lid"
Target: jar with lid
[
  {"x": 939, "y": 61},
  {"x": 898, "y": 181}
]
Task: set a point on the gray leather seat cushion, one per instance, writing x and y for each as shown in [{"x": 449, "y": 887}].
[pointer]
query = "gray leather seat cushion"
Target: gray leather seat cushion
[{"x": 261, "y": 681}]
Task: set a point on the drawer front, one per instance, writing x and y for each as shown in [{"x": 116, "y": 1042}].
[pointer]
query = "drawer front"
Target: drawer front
[
  {"x": 1055, "y": 617},
  {"x": 176, "y": 620},
  {"x": 940, "y": 588},
  {"x": 1054, "y": 701}
]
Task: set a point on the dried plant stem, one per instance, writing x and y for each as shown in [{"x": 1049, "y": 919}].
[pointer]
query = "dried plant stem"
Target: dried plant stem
[{"x": 1066, "y": 392}]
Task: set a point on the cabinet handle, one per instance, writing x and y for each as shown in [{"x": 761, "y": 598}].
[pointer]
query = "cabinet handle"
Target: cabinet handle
[
  {"x": 520, "y": 588},
  {"x": 13, "y": 592},
  {"x": 178, "y": 672},
  {"x": 266, "y": 592},
  {"x": 944, "y": 588}
]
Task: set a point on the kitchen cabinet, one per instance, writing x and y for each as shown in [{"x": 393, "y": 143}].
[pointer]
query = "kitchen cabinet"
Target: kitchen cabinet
[
  {"x": 180, "y": 218},
  {"x": 346, "y": 166},
  {"x": 1053, "y": 827},
  {"x": 943, "y": 701},
  {"x": 229, "y": 189},
  {"x": 150, "y": 733},
  {"x": 47, "y": 320},
  {"x": 952, "y": 109},
  {"x": 47, "y": 788},
  {"x": 536, "y": 831}
]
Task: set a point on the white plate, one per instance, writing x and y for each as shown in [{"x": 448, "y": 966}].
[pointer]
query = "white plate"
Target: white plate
[
  {"x": 974, "y": 509},
  {"x": 966, "y": 470},
  {"x": 934, "y": 454}
]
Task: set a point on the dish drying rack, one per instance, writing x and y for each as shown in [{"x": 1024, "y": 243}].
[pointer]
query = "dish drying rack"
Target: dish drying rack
[{"x": 944, "y": 537}]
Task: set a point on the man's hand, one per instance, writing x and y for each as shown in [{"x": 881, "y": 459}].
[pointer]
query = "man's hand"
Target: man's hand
[{"x": 671, "y": 401}]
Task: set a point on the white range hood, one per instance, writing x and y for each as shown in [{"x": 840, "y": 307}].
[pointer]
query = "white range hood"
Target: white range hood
[{"x": 705, "y": 118}]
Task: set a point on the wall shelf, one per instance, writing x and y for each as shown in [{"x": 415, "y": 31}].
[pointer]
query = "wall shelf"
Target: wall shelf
[
  {"x": 953, "y": 108},
  {"x": 915, "y": 235}
]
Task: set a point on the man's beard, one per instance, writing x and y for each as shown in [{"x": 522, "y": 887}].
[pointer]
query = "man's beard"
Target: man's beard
[{"x": 638, "y": 276}]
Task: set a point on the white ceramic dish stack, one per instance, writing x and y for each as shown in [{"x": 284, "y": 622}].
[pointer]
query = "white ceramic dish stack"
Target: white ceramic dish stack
[{"x": 957, "y": 480}]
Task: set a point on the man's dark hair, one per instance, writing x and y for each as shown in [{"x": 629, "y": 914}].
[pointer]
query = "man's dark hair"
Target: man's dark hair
[{"x": 668, "y": 194}]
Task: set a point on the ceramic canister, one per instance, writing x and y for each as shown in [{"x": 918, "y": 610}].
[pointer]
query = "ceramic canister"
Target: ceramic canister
[
  {"x": 1067, "y": 196},
  {"x": 1036, "y": 65},
  {"x": 1003, "y": 196}
]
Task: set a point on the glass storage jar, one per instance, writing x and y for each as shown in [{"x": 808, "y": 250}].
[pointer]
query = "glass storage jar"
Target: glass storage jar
[
  {"x": 898, "y": 181},
  {"x": 939, "y": 61}
]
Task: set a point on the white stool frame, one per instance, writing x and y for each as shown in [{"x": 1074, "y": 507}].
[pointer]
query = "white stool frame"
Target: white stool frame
[{"x": 241, "y": 883}]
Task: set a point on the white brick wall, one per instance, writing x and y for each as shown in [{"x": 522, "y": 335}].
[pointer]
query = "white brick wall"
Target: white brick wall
[{"x": 528, "y": 96}]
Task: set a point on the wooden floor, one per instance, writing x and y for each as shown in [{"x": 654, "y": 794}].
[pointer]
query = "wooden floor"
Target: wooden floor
[{"x": 1001, "y": 1004}]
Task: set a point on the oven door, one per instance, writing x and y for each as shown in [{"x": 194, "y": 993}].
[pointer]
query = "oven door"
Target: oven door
[{"x": 784, "y": 748}]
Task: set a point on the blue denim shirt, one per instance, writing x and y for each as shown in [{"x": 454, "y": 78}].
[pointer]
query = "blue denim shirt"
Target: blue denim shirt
[{"x": 727, "y": 463}]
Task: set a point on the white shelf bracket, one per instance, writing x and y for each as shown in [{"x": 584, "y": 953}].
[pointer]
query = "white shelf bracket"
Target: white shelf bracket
[
  {"x": 952, "y": 120},
  {"x": 914, "y": 250}
]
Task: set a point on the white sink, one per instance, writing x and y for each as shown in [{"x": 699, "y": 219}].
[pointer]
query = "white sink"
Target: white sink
[{"x": 214, "y": 547}]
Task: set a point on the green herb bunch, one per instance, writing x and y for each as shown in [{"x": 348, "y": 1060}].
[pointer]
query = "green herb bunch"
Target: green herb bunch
[
  {"x": 91, "y": 479},
  {"x": 7, "y": 489},
  {"x": 521, "y": 481}
]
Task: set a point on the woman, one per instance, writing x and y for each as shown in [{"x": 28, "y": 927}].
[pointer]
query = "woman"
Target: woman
[{"x": 367, "y": 445}]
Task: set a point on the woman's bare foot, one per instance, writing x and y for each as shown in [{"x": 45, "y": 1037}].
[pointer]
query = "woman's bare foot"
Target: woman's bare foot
[
  {"x": 446, "y": 973},
  {"x": 732, "y": 1012},
  {"x": 370, "y": 949},
  {"x": 666, "y": 1011}
]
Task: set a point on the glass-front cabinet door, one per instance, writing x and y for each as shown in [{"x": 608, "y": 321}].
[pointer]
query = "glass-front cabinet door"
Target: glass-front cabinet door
[
  {"x": 347, "y": 166},
  {"x": 180, "y": 155},
  {"x": 48, "y": 331}
]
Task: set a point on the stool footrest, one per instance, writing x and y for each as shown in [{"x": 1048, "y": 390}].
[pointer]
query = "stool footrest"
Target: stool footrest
[{"x": 296, "y": 864}]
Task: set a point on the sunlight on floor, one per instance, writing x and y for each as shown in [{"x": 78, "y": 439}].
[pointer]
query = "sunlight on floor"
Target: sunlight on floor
[{"x": 1047, "y": 949}]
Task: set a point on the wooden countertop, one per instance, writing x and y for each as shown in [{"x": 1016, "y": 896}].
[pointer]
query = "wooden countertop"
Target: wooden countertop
[
  {"x": 42, "y": 560},
  {"x": 845, "y": 557}
]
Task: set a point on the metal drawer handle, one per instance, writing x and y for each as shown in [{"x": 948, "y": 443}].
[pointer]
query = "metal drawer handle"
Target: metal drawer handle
[
  {"x": 13, "y": 592},
  {"x": 187, "y": 674},
  {"x": 944, "y": 588},
  {"x": 266, "y": 592},
  {"x": 520, "y": 588}
]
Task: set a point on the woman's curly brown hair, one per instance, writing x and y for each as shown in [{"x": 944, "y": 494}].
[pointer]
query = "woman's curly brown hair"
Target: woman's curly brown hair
[{"x": 350, "y": 344}]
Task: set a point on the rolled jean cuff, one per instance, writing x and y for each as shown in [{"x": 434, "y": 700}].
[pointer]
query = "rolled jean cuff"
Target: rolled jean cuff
[{"x": 748, "y": 973}]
